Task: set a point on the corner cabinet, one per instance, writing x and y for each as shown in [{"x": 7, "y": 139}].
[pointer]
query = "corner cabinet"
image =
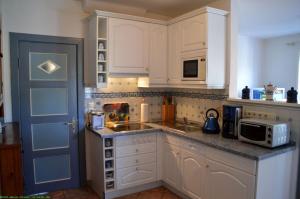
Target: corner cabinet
[
  {"x": 129, "y": 46},
  {"x": 158, "y": 54}
]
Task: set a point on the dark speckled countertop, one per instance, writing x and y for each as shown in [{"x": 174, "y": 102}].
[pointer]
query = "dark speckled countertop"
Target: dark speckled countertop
[{"x": 246, "y": 150}]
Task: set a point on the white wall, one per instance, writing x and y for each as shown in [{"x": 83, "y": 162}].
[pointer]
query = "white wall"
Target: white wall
[
  {"x": 250, "y": 62},
  {"x": 44, "y": 17},
  {"x": 281, "y": 61}
]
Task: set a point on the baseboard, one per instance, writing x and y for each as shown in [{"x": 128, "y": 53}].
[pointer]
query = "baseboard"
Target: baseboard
[{"x": 140, "y": 188}]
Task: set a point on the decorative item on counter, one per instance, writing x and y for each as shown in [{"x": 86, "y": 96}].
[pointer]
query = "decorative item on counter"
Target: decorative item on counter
[
  {"x": 144, "y": 112},
  {"x": 292, "y": 96},
  {"x": 211, "y": 125},
  {"x": 116, "y": 112},
  {"x": 258, "y": 94},
  {"x": 269, "y": 90},
  {"x": 168, "y": 109},
  {"x": 246, "y": 93},
  {"x": 96, "y": 119}
]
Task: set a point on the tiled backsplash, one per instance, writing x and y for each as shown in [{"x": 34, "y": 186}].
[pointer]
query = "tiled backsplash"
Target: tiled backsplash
[{"x": 191, "y": 103}]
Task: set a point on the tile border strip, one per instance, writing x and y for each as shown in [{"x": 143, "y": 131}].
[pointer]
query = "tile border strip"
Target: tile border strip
[{"x": 156, "y": 94}]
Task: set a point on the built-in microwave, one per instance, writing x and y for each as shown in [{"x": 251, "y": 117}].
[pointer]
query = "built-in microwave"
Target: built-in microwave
[{"x": 194, "y": 67}]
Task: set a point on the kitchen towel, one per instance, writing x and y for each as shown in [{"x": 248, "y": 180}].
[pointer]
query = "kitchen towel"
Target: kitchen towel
[{"x": 144, "y": 112}]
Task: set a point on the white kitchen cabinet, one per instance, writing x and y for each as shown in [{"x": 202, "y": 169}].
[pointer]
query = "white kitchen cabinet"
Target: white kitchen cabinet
[
  {"x": 171, "y": 166},
  {"x": 174, "y": 55},
  {"x": 158, "y": 54},
  {"x": 194, "y": 33},
  {"x": 136, "y": 175},
  {"x": 129, "y": 46},
  {"x": 193, "y": 174},
  {"x": 225, "y": 182}
]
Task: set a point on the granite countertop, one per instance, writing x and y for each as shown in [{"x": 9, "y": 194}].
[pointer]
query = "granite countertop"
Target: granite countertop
[{"x": 246, "y": 150}]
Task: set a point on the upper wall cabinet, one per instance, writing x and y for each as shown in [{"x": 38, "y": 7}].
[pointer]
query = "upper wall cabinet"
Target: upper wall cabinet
[
  {"x": 194, "y": 33},
  {"x": 158, "y": 54},
  {"x": 129, "y": 46}
]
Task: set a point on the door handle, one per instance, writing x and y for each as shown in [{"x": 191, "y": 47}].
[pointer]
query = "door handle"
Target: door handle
[{"x": 73, "y": 124}]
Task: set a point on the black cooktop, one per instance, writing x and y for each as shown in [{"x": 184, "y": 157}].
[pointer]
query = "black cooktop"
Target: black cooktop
[{"x": 129, "y": 127}]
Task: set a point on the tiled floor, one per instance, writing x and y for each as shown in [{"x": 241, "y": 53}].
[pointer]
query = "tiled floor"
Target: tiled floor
[{"x": 87, "y": 193}]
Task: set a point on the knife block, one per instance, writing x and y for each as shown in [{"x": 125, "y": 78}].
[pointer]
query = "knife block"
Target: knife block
[{"x": 168, "y": 113}]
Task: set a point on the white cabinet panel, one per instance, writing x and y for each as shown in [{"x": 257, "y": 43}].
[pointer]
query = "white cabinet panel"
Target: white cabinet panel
[
  {"x": 129, "y": 46},
  {"x": 171, "y": 163},
  {"x": 194, "y": 33},
  {"x": 193, "y": 175},
  {"x": 136, "y": 175},
  {"x": 135, "y": 149},
  {"x": 174, "y": 55},
  {"x": 225, "y": 182},
  {"x": 135, "y": 160},
  {"x": 158, "y": 54}
]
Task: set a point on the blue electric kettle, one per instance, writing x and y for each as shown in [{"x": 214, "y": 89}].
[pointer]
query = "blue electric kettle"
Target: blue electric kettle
[{"x": 211, "y": 125}]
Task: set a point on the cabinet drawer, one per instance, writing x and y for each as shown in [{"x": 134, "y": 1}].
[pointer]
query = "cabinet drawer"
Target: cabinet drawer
[
  {"x": 193, "y": 146},
  {"x": 136, "y": 175},
  {"x": 136, "y": 139},
  {"x": 233, "y": 160},
  {"x": 135, "y": 149},
  {"x": 135, "y": 160}
]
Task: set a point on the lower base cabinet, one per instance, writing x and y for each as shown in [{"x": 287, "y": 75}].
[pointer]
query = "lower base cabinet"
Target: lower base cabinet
[
  {"x": 137, "y": 175},
  {"x": 226, "y": 182},
  {"x": 193, "y": 175},
  {"x": 171, "y": 165}
]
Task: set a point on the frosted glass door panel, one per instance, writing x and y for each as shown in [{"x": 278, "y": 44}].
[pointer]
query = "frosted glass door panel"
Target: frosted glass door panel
[
  {"x": 51, "y": 168},
  {"x": 49, "y": 101},
  {"x": 47, "y": 66},
  {"x": 50, "y": 136}
]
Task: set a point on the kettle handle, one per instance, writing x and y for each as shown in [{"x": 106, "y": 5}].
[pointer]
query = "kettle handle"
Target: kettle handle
[{"x": 212, "y": 109}]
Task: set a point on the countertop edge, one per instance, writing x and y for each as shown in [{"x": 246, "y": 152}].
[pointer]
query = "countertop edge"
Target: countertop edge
[{"x": 285, "y": 149}]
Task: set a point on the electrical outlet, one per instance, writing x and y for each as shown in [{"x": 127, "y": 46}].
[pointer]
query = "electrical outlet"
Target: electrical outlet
[{"x": 259, "y": 115}]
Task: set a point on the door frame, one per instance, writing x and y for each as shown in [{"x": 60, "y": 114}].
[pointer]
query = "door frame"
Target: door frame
[{"x": 15, "y": 39}]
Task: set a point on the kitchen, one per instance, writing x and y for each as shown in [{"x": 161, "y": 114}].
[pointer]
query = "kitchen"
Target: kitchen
[{"x": 130, "y": 61}]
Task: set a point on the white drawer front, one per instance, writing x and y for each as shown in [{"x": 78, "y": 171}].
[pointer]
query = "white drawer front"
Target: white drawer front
[
  {"x": 135, "y": 149},
  {"x": 136, "y": 139},
  {"x": 173, "y": 139},
  {"x": 136, "y": 175},
  {"x": 135, "y": 160}
]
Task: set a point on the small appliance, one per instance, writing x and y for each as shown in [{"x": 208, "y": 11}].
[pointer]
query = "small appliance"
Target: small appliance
[
  {"x": 211, "y": 125},
  {"x": 96, "y": 120},
  {"x": 264, "y": 132},
  {"x": 194, "y": 67},
  {"x": 231, "y": 116}
]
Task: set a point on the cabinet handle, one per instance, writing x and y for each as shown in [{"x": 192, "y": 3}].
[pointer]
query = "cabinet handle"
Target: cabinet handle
[
  {"x": 207, "y": 166},
  {"x": 136, "y": 150},
  {"x": 147, "y": 69},
  {"x": 203, "y": 43},
  {"x": 136, "y": 161},
  {"x": 136, "y": 168}
]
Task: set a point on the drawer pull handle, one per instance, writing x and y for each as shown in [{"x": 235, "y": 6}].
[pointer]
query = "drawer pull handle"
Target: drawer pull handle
[
  {"x": 207, "y": 166},
  {"x": 136, "y": 161},
  {"x": 136, "y": 150},
  {"x": 136, "y": 168}
]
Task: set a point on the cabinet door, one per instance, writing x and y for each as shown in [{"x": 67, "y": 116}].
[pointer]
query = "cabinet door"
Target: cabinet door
[
  {"x": 225, "y": 182},
  {"x": 128, "y": 46},
  {"x": 158, "y": 54},
  {"x": 137, "y": 175},
  {"x": 193, "y": 174},
  {"x": 174, "y": 54},
  {"x": 194, "y": 33},
  {"x": 171, "y": 173}
]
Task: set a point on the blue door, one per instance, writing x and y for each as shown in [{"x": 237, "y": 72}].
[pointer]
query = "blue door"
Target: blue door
[{"x": 48, "y": 116}]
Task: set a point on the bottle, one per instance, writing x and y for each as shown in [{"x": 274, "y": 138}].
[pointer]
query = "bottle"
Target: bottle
[
  {"x": 246, "y": 93},
  {"x": 292, "y": 96}
]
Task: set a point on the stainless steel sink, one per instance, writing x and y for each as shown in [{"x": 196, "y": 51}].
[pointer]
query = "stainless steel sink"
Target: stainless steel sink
[{"x": 187, "y": 128}]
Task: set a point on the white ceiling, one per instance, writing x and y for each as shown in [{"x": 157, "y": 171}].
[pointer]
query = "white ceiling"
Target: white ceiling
[
  {"x": 153, "y": 8},
  {"x": 269, "y": 18}
]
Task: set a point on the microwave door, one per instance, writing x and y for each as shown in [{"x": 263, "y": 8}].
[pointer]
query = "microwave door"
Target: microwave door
[{"x": 190, "y": 69}]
